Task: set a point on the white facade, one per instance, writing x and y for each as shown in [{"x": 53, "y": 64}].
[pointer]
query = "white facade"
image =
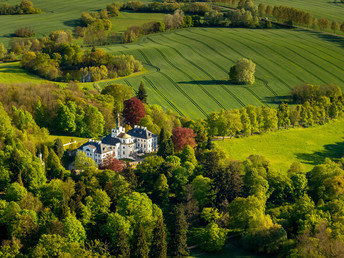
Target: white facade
[{"x": 122, "y": 145}]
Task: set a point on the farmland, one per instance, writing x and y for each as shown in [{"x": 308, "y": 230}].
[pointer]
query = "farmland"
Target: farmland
[
  {"x": 309, "y": 146},
  {"x": 332, "y": 10},
  {"x": 64, "y": 15},
  {"x": 187, "y": 69}
]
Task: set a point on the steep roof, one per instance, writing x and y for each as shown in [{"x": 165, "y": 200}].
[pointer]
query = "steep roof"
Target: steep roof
[
  {"x": 99, "y": 148},
  {"x": 110, "y": 140},
  {"x": 139, "y": 132}
]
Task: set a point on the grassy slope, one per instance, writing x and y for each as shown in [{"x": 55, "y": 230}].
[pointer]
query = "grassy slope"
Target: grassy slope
[
  {"x": 12, "y": 73},
  {"x": 309, "y": 146},
  {"x": 63, "y": 14},
  {"x": 319, "y": 8},
  {"x": 188, "y": 67},
  {"x": 68, "y": 139}
]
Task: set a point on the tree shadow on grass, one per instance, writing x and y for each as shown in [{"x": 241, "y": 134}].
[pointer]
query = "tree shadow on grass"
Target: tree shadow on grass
[
  {"x": 279, "y": 100},
  {"x": 333, "y": 151},
  {"x": 208, "y": 82},
  {"x": 339, "y": 41},
  {"x": 73, "y": 23}
]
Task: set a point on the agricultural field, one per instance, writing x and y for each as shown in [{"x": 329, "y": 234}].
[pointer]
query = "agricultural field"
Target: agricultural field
[
  {"x": 187, "y": 69},
  {"x": 332, "y": 10},
  {"x": 13, "y": 73},
  {"x": 64, "y": 15},
  {"x": 309, "y": 146}
]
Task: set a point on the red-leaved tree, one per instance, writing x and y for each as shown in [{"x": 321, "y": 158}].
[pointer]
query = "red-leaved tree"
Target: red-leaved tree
[
  {"x": 182, "y": 137},
  {"x": 110, "y": 162},
  {"x": 133, "y": 111}
]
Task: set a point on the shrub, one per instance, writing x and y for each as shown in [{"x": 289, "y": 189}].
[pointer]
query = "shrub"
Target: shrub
[{"x": 24, "y": 32}]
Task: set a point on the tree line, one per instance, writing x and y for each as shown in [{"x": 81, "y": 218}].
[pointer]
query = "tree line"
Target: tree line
[
  {"x": 317, "y": 105},
  {"x": 24, "y": 7},
  {"x": 292, "y": 16}
]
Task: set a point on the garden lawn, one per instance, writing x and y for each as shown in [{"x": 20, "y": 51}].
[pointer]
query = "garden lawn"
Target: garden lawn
[{"x": 310, "y": 146}]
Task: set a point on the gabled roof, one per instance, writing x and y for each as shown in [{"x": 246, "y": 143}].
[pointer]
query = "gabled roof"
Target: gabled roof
[
  {"x": 139, "y": 132},
  {"x": 99, "y": 147},
  {"x": 110, "y": 140}
]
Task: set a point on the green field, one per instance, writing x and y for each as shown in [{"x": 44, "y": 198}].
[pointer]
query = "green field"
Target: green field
[
  {"x": 13, "y": 73},
  {"x": 309, "y": 146},
  {"x": 188, "y": 68},
  {"x": 68, "y": 139},
  {"x": 332, "y": 10},
  {"x": 65, "y": 15}
]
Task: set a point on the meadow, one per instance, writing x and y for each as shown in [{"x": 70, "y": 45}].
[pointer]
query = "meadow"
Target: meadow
[
  {"x": 187, "y": 68},
  {"x": 65, "y": 15},
  {"x": 310, "y": 146},
  {"x": 332, "y": 10}
]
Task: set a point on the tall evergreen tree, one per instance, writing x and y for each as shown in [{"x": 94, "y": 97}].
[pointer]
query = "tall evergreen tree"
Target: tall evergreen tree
[
  {"x": 140, "y": 247},
  {"x": 122, "y": 248},
  {"x": 58, "y": 147},
  {"x": 166, "y": 148},
  {"x": 142, "y": 93},
  {"x": 162, "y": 136},
  {"x": 210, "y": 145},
  {"x": 130, "y": 176},
  {"x": 159, "y": 244},
  {"x": 178, "y": 242}
]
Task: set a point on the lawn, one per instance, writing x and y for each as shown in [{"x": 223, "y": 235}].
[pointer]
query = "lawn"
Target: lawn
[
  {"x": 309, "y": 146},
  {"x": 68, "y": 139}
]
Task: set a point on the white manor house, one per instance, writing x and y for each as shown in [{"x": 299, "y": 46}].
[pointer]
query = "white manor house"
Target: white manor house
[{"x": 122, "y": 145}]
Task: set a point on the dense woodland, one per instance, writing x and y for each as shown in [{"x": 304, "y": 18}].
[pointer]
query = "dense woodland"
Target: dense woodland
[{"x": 190, "y": 193}]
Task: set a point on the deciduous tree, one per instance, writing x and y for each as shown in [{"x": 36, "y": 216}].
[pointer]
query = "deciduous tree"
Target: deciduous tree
[
  {"x": 182, "y": 137},
  {"x": 133, "y": 111}
]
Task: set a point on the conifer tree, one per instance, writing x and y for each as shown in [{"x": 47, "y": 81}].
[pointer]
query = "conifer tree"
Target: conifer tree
[
  {"x": 159, "y": 244},
  {"x": 58, "y": 147},
  {"x": 140, "y": 247},
  {"x": 166, "y": 148},
  {"x": 122, "y": 248},
  {"x": 178, "y": 242},
  {"x": 130, "y": 176},
  {"x": 209, "y": 144},
  {"x": 142, "y": 93}
]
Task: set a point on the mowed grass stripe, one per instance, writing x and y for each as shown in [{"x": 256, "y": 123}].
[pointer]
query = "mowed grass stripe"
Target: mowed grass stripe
[
  {"x": 304, "y": 55},
  {"x": 217, "y": 65},
  {"x": 263, "y": 43},
  {"x": 191, "y": 78},
  {"x": 240, "y": 55},
  {"x": 261, "y": 66},
  {"x": 199, "y": 68}
]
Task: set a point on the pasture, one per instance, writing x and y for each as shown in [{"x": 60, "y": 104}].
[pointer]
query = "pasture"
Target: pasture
[
  {"x": 310, "y": 146},
  {"x": 64, "y": 15},
  {"x": 333, "y": 10},
  {"x": 187, "y": 69}
]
